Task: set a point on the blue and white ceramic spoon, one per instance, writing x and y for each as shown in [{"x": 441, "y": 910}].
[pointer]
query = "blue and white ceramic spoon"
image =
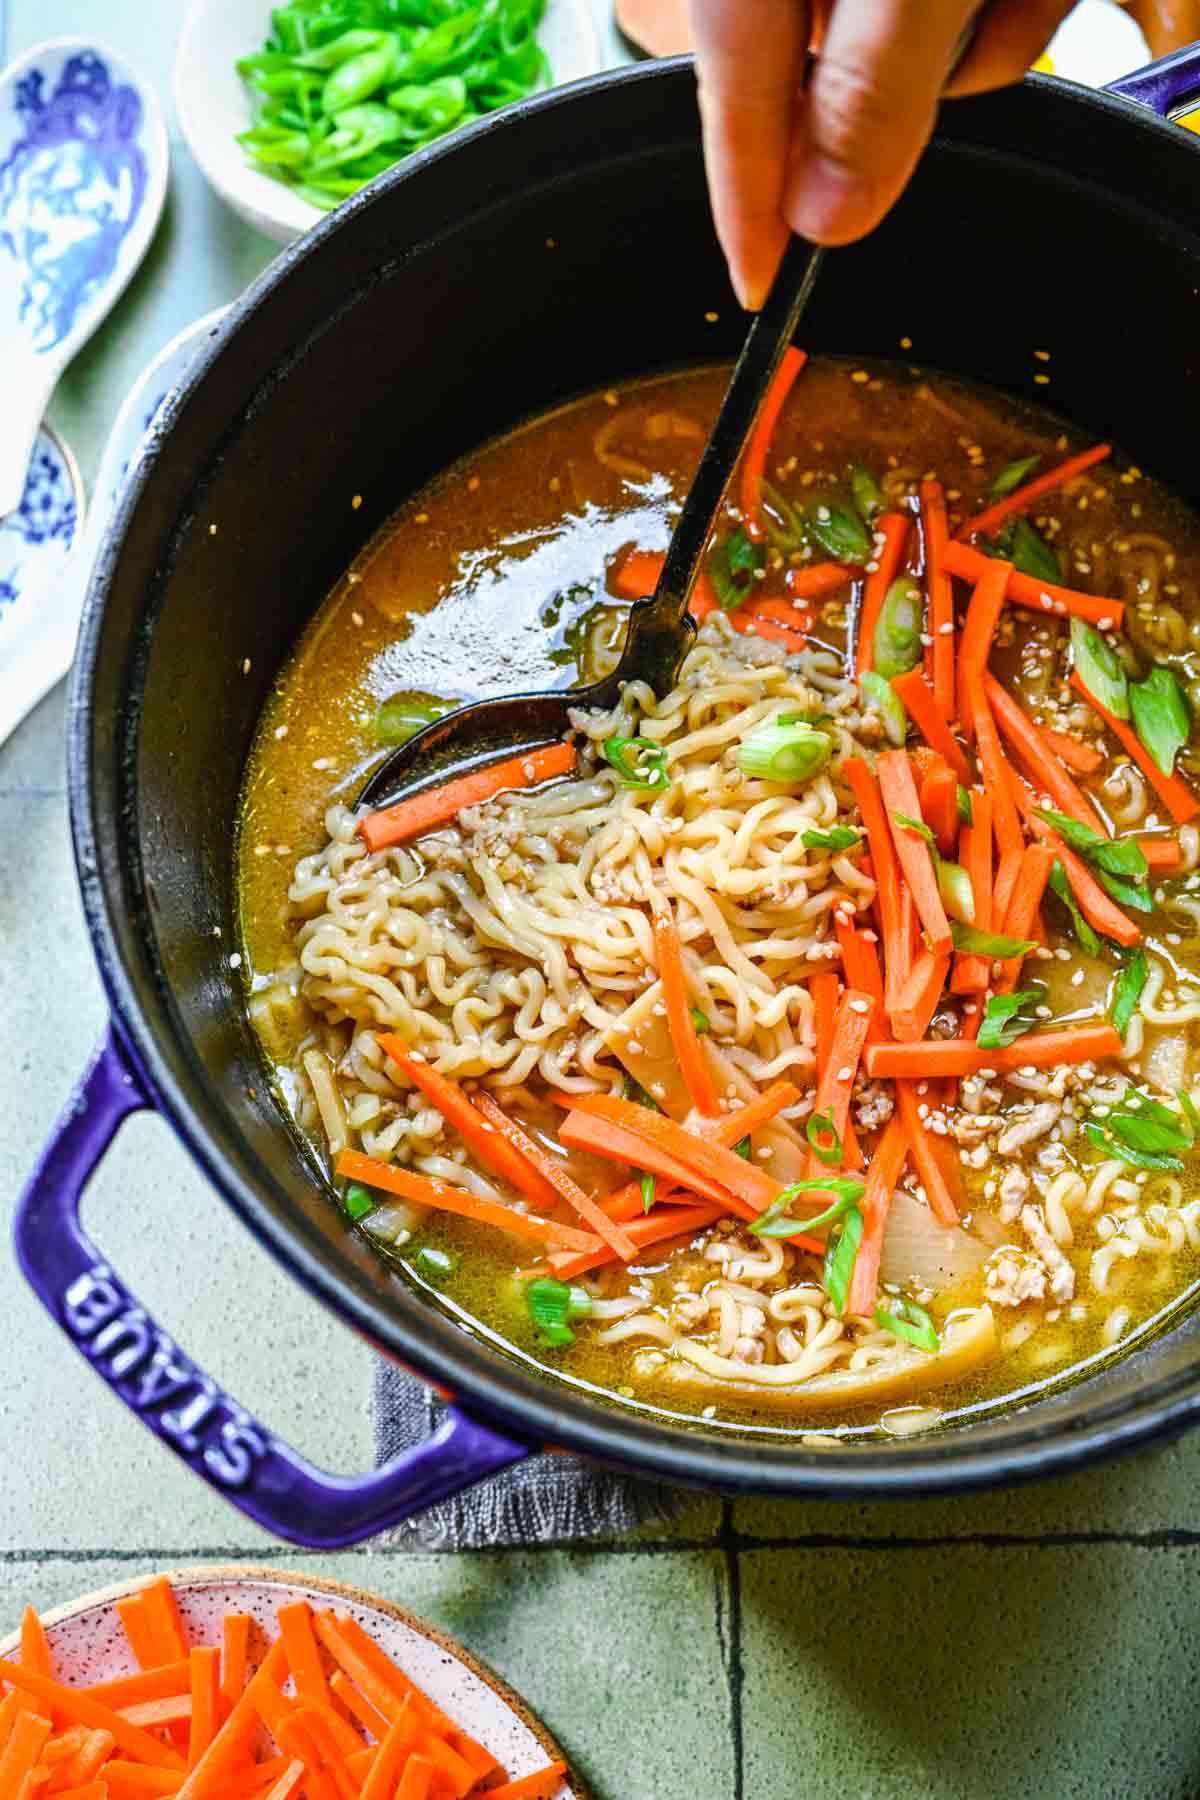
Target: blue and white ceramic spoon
[{"x": 83, "y": 175}]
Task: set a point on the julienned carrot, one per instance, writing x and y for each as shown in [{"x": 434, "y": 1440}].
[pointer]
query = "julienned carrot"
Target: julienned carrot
[
  {"x": 1161, "y": 853},
  {"x": 656, "y": 1227},
  {"x": 437, "y": 806},
  {"x": 1007, "y": 873},
  {"x": 1048, "y": 773},
  {"x": 891, "y": 538},
  {"x": 939, "y": 807},
  {"x": 882, "y": 1175},
  {"x": 149, "y": 1684},
  {"x": 1006, "y": 826},
  {"x": 925, "y": 1159},
  {"x": 168, "y": 1621},
  {"x": 851, "y": 1026},
  {"x": 797, "y": 618},
  {"x": 400, "y": 1737},
  {"x": 860, "y": 962},
  {"x": 1172, "y": 790},
  {"x": 752, "y": 624},
  {"x": 140, "y": 1630},
  {"x": 1023, "y": 908},
  {"x": 343, "y": 1689},
  {"x": 543, "y": 1784},
  {"x": 700, "y": 1155},
  {"x": 941, "y": 596},
  {"x": 454, "y": 1104},
  {"x": 58, "y": 1749},
  {"x": 418, "y": 1778},
  {"x": 1038, "y": 596},
  {"x": 627, "y": 1203},
  {"x": 152, "y": 1715},
  {"x": 1081, "y": 758},
  {"x": 896, "y": 948},
  {"x": 587, "y": 1208},
  {"x": 206, "y": 1701},
  {"x": 235, "y": 1640},
  {"x": 979, "y": 631},
  {"x": 731, "y": 1127},
  {"x": 91, "y": 1790},
  {"x": 955, "y": 1056},
  {"x": 636, "y": 578},
  {"x": 584, "y": 1130},
  {"x": 917, "y": 1000},
  {"x": 133, "y": 1781},
  {"x": 693, "y": 1064},
  {"x": 28, "y": 1734},
  {"x": 898, "y": 790},
  {"x": 87, "y": 1761},
  {"x": 289, "y": 1783},
  {"x": 924, "y": 709},
  {"x": 1022, "y": 498},
  {"x": 77, "y": 1705},
  {"x": 823, "y": 987},
  {"x": 304, "y": 1658},
  {"x": 444, "y": 1198},
  {"x": 35, "y": 1650},
  {"x": 1097, "y": 907},
  {"x": 972, "y": 973},
  {"x": 819, "y": 579},
  {"x": 754, "y": 457}
]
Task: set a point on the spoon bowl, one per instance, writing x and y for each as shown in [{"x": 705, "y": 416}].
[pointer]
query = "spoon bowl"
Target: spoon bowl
[
  {"x": 83, "y": 176},
  {"x": 661, "y": 629}
]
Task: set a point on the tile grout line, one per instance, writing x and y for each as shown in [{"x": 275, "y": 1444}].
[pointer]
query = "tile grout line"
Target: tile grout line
[{"x": 727, "y": 1538}]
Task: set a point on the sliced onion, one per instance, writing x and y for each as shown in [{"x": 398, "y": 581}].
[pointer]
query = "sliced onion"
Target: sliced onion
[{"x": 917, "y": 1251}]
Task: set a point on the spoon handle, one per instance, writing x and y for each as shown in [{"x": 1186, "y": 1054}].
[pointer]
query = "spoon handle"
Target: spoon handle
[{"x": 766, "y": 341}]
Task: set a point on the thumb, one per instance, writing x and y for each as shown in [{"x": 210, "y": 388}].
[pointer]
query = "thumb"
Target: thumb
[{"x": 868, "y": 112}]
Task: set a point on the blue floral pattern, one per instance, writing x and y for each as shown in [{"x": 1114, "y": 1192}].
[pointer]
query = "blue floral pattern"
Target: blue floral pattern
[
  {"x": 37, "y": 536},
  {"x": 70, "y": 190}
]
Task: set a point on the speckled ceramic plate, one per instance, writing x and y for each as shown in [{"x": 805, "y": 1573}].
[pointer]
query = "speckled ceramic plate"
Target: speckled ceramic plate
[{"x": 88, "y": 1644}]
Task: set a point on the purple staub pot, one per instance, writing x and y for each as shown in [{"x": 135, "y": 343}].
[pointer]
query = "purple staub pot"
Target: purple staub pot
[{"x": 560, "y": 245}]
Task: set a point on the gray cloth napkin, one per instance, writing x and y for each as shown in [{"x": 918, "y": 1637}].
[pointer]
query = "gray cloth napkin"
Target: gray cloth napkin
[{"x": 543, "y": 1500}]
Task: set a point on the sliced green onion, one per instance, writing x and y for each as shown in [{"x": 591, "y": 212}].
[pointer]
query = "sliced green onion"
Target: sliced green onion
[
  {"x": 1006, "y": 1017},
  {"x": 897, "y": 643},
  {"x": 840, "y": 1257},
  {"x": 839, "y": 530},
  {"x": 1190, "y": 1113},
  {"x": 435, "y": 1265},
  {"x": 1143, "y": 1132},
  {"x": 958, "y": 896},
  {"x": 1011, "y": 476},
  {"x": 1099, "y": 668},
  {"x": 1085, "y": 936},
  {"x": 734, "y": 567},
  {"x": 908, "y": 1320},
  {"x": 1127, "y": 991},
  {"x": 962, "y": 800},
  {"x": 1122, "y": 857},
  {"x": 403, "y": 715},
  {"x": 784, "y": 752},
  {"x": 359, "y": 1201},
  {"x": 648, "y": 1184},
  {"x": 1028, "y": 551},
  {"x": 638, "y": 764},
  {"x": 774, "y": 1221},
  {"x": 987, "y": 943},
  {"x": 1125, "y": 893},
  {"x": 878, "y": 692},
  {"x": 918, "y": 825},
  {"x": 839, "y": 837},
  {"x": 742, "y": 1148},
  {"x": 632, "y": 1089},
  {"x": 701, "y": 1024},
  {"x": 1138, "y": 1159},
  {"x": 1161, "y": 716},
  {"x": 552, "y": 1305},
  {"x": 823, "y": 1139},
  {"x": 868, "y": 495}
]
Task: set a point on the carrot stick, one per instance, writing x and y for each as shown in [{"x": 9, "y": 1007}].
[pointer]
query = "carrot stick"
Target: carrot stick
[
  {"x": 437, "y": 806},
  {"x": 139, "y": 1628},
  {"x": 1022, "y": 498},
  {"x": 731, "y": 1127},
  {"x": 88, "y": 1760},
  {"x": 751, "y": 625},
  {"x": 979, "y": 631},
  {"x": 860, "y": 963},
  {"x": 289, "y": 1783},
  {"x": 543, "y": 1784},
  {"x": 693, "y": 1064},
  {"x": 92, "y": 1790},
  {"x": 954, "y": 1056},
  {"x": 439, "y": 1194},
  {"x": 820, "y": 579},
  {"x": 636, "y": 577},
  {"x": 77, "y": 1705},
  {"x": 700, "y": 1157},
  {"x": 494, "y": 1151},
  {"x": 1038, "y": 596},
  {"x": 1097, "y": 907},
  {"x": 919, "y": 1140},
  {"x": 924, "y": 709},
  {"x": 887, "y": 876},
  {"x": 235, "y": 1636},
  {"x": 1080, "y": 758},
  {"x": 882, "y": 1176},
  {"x": 397, "y": 1742},
  {"x": 304, "y": 1658},
  {"x": 972, "y": 973},
  {"x": 754, "y": 458},
  {"x": 163, "y": 1609},
  {"x": 851, "y": 1025},
  {"x": 209, "y": 1780},
  {"x": 453, "y": 1770},
  {"x": 824, "y": 990},
  {"x": 1023, "y": 907},
  {"x": 572, "y": 1193},
  {"x": 1048, "y": 773},
  {"x": 625, "y": 1204},
  {"x": 343, "y": 1689},
  {"x": 1172, "y": 790},
  {"x": 344, "y": 1635},
  {"x": 132, "y": 1781},
  {"x": 888, "y": 555},
  {"x": 149, "y": 1684},
  {"x": 206, "y": 1698},
  {"x": 152, "y": 1715},
  {"x": 899, "y": 794},
  {"x": 1006, "y": 826},
  {"x": 1162, "y": 853},
  {"x": 1006, "y": 881},
  {"x": 658, "y": 1227},
  {"x": 917, "y": 1000},
  {"x": 582, "y": 1130},
  {"x": 939, "y": 807},
  {"x": 35, "y": 1650},
  {"x": 58, "y": 1749},
  {"x": 417, "y": 1781},
  {"x": 941, "y": 596},
  {"x": 29, "y": 1733},
  {"x": 797, "y": 618}
]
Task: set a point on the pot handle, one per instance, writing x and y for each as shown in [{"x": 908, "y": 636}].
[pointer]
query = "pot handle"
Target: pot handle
[
  {"x": 218, "y": 1439},
  {"x": 1163, "y": 85}
]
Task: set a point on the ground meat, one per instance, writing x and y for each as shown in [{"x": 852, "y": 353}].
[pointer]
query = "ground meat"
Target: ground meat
[
  {"x": 972, "y": 1127},
  {"x": 1062, "y": 1275},
  {"x": 1013, "y": 1277},
  {"x": 874, "y": 1105},
  {"x": 1034, "y": 1124},
  {"x": 1014, "y": 1188},
  {"x": 687, "y": 1311}
]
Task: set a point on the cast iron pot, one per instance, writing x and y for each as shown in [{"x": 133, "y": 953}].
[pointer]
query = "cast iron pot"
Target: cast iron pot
[{"x": 561, "y": 245}]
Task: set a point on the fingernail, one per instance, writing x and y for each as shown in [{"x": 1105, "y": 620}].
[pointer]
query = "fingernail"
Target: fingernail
[{"x": 826, "y": 201}]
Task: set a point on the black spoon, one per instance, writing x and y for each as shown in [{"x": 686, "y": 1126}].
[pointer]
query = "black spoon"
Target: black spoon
[{"x": 661, "y": 629}]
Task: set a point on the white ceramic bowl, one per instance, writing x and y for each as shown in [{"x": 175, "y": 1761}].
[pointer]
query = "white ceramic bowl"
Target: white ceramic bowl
[
  {"x": 213, "y": 105},
  {"x": 87, "y": 1644}
]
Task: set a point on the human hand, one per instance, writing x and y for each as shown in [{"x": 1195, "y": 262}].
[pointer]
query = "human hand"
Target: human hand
[{"x": 827, "y": 158}]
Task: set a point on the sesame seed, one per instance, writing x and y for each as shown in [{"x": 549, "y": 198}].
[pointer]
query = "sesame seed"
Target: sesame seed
[
  {"x": 860, "y": 1006},
  {"x": 235, "y": 961},
  {"x": 212, "y": 531},
  {"x": 845, "y": 1074},
  {"x": 246, "y": 665},
  {"x": 281, "y": 732},
  {"x": 710, "y": 318},
  {"x": 356, "y": 618},
  {"x": 906, "y": 343},
  {"x": 356, "y": 501}
]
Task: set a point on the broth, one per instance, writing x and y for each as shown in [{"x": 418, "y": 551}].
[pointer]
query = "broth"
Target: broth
[{"x": 498, "y": 578}]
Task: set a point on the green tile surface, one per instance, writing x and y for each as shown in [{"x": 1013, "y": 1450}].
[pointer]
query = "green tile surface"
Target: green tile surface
[{"x": 1037, "y": 1642}]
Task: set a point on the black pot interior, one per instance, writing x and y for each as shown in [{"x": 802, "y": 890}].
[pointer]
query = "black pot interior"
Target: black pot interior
[{"x": 565, "y": 245}]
